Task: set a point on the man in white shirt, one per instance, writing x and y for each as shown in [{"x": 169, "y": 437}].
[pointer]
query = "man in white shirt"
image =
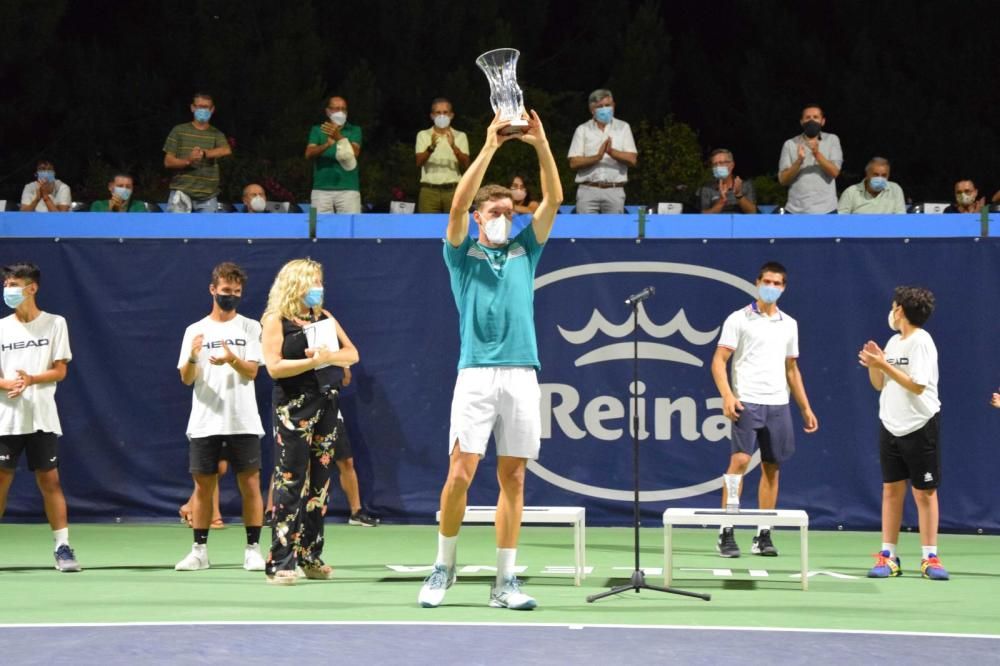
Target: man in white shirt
[
  {"x": 601, "y": 152},
  {"x": 809, "y": 165},
  {"x": 219, "y": 356},
  {"x": 46, "y": 194},
  {"x": 906, "y": 375},
  {"x": 34, "y": 352},
  {"x": 763, "y": 342}
]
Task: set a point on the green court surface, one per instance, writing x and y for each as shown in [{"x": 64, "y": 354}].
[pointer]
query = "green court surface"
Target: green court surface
[{"x": 128, "y": 577}]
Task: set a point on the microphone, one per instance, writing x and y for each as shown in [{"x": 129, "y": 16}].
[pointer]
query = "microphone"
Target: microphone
[{"x": 641, "y": 296}]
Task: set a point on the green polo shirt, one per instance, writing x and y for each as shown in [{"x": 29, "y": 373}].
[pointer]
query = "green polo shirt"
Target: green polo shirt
[
  {"x": 104, "y": 206},
  {"x": 199, "y": 181},
  {"x": 327, "y": 172}
]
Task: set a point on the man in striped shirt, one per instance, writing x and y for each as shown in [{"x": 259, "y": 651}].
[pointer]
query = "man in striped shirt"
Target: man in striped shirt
[{"x": 193, "y": 150}]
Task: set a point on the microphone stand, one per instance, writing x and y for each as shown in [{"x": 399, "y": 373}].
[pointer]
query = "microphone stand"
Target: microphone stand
[{"x": 638, "y": 580}]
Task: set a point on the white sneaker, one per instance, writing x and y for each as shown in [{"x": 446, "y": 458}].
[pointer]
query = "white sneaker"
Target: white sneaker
[
  {"x": 252, "y": 559},
  {"x": 435, "y": 585},
  {"x": 509, "y": 595},
  {"x": 196, "y": 560}
]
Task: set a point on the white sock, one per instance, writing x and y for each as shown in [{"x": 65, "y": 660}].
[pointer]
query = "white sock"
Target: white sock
[
  {"x": 891, "y": 547},
  {"x": 927, "y": 551},
  {"x": 761, "y": 528},
  {"x": 199, "y": 547},
  {"x": 446, "y": 550},
  {"x": 505, "y": 563},
  {"x": 61, "y": 537}
]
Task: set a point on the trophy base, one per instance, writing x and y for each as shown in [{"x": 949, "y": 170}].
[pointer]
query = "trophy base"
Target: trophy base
[{"x": 517, "y": 127}]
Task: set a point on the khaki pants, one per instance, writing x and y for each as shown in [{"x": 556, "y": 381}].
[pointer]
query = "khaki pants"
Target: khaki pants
[{"x": 435, "y": 199}]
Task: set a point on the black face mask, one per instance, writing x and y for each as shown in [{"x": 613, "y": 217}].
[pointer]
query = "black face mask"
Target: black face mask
[
  {"x": 227, "y": 302},
  {"x": 811, "y": 128}
]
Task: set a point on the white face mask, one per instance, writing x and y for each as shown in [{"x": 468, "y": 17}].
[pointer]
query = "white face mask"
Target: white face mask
[
  {"x": 338, "y": 118},
  {"x": 258, "y": 204},
  {"x": 966, "y": 198},
  {"x": 892, "y": 320},
  {"x": 498, "y": 229},
  {"x": 442, "y": 121}
]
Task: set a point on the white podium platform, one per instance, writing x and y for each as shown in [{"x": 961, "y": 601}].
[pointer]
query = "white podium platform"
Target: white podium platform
[{"x": 716, "y": 517}]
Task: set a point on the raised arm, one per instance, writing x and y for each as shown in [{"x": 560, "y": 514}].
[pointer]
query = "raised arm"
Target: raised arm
[
  {"x": 472, "y": 180},
  {"x": 552, "y": 194}
]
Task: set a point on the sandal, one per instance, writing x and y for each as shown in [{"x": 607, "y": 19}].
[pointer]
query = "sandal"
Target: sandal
[
  {"x": 317, "y": 570},
  {"x": 217, "y": 524},
  {"x": 282, "y": 577}
]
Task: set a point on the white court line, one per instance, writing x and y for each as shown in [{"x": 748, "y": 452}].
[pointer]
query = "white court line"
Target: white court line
[{"x": 556, "y": 625}]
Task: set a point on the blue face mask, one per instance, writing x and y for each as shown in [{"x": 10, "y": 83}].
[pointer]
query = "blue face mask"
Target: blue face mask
[
  {"x": 13, "y": 296},
  {"x": 123, "y": 193},
  {"x": 49, "y": 176},
  {"x": 878, "y": 183},
  {"x": 768, "y": 293},
  {"x": 202, "y": 115},
  {"x": 604, "y": 114},
  {"x": 313, "y": 297},
  {"x": 720, "y": 172}
]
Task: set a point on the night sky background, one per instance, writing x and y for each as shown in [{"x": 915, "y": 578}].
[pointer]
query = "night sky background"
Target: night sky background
[{"x": 96, "y": 86}]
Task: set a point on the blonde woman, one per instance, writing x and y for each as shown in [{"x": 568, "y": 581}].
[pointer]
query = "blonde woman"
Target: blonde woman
[{"x": 306, "y": 360}]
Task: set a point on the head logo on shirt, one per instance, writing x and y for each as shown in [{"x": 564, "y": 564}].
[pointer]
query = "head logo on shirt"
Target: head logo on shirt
[
  {"x": 25, "y": 344},
  {"x": 588, "y": 395}
]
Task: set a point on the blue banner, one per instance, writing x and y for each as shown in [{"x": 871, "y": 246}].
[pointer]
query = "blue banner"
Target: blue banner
[{"x": 124, "y": 408}]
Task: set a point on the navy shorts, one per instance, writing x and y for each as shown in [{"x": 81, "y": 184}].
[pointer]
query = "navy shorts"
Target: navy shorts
[
  {"x": 767, "y": 427},
  {"x": 39, "y": 447},
  {"x": 916, "y": 456},
  {"x": 243, "y": 451}
]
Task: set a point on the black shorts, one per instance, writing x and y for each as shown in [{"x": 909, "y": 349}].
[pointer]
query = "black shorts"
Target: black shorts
[
  {"x": 916, "y": 456},
  {"x": 40, "y": 447},
  {"x": 242, "y": 451}
]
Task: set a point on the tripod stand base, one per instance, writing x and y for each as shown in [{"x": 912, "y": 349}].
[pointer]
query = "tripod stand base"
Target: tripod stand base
[{"x": 638, "y": 582}]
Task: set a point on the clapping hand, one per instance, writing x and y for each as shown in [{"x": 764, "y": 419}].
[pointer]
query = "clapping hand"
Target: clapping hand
[
  {"x": 871, "y": 356},
  {"x": 227, "y": 356}
]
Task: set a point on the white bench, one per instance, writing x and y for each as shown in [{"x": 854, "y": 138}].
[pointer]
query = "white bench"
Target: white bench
[
  {"x": 556, "y": 515},
  {"x": 716, "y": 517}
]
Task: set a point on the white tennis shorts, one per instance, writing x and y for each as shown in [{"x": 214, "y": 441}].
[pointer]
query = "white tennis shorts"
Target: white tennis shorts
[{"x": 504, "y": 401}]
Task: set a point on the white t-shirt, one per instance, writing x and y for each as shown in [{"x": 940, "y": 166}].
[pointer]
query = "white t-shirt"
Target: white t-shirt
[
  {"x": 902, "y": 411},
  {"x": 587, "y": 139},
  {"x": 61, "y": 195},
  {"x": 224, "y": 401},
  {"x": 32, "y": 347},
  {"x": 760, "y": 346}
]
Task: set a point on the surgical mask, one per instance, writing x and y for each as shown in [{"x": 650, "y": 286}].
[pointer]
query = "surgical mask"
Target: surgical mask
[
  {"x": 892, "y": 320},
  {"x": 338, "y": 118},
  {"x": 769, "y": 293},
  {"x": 13, "y": 296},
  {"x": 878, "y": 183},
  {"x": 49, "y": 176},
  {"x": 123, "y": 193},
  {"x": 604, "y": 114},
  {"x": 227, "y": 302},
  {"x": 258, "y": 204},
  {"x": 518, "y": 195},
  {"x": 313, "y": 297},
  {"x": 442, "y": 121},
  {"x": 498, "y": 229},
  {"x": 202, "y": 115},
  {"x": 720, "y": 172},
  {"x": 965, "y": 198},
  {"x": 811, "y": 128}
]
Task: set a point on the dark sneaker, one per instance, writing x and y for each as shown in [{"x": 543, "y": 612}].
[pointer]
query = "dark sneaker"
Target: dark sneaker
[
  {"x": 363, "y": 519},
  {"x": 762, "y": 545},
  {"x": 726, "y": 545},
  {"x": 66, "y": 559},
  {"x": 930, "y": 567},
  {"x": 885, "y": 566}
]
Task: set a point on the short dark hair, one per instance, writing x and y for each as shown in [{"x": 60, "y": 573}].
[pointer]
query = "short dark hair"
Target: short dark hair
[
  {"x": 917, "y": 303},
  {"x": 812, "y": 105},
  {"x": 490, "y": 193},
  {"x": 122, "y": 174},
  {"x": 229, "y": 272},
  {"x": 203, "y": 95},
  {"x": 442, "y": 100},
  {"x": 45, "y": 162},
  {"x": 962, "y": 180},
  {"x": 23, "y": 270},
  {"x": 773, "y": 267}
]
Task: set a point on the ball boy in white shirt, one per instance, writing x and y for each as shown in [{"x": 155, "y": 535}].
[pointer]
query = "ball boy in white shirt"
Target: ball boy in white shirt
[
  {"x": 906, "y": 375},
  {"x": 34, "y": 352},
  {"x": 219, "y": 357}
]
